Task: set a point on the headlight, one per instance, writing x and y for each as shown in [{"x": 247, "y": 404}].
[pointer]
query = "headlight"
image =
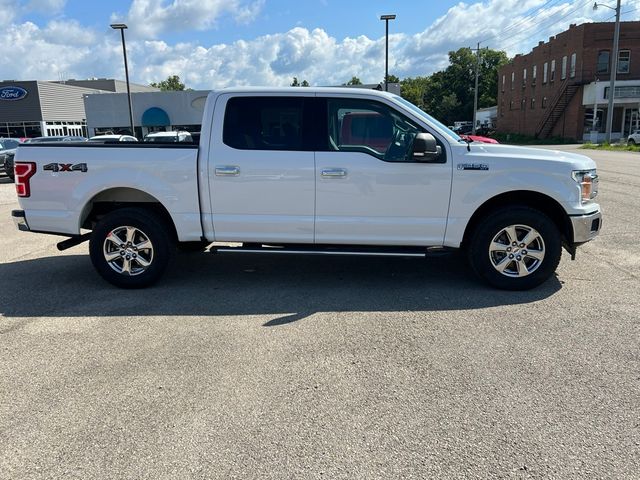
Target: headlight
[{"x": 588, "y": 181}]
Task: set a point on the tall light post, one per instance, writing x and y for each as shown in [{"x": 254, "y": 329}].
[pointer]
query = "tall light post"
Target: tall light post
[
  {"x": 614, "y": 67},
  {"x": 386, "y": 19},
  {"x": 122, "y": 27}
]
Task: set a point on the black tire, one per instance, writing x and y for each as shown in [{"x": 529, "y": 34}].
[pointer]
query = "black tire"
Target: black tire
[
  {"x": 144, "y": 225},
  {"x": 523, "y": 269},
  {"x": 631, "y": 142}
]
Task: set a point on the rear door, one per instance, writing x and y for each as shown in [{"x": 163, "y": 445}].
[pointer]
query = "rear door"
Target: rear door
[
  {"x": 262, "y": 169},
  {"x": 369, "y": 190}
]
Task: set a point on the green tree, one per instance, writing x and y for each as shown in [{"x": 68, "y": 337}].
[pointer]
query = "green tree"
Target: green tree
[
  {"x": 296, "y": 83},
  {"x": 448, "y": 94},
  {"x": 172, "y": 83},
  {"x": 392, "y": 79},
  {"x": 354, "y": 81}
]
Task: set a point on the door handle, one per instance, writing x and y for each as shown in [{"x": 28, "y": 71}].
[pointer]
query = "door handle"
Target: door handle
[
  {"x": 227, "y": 171},
  {"x": 334, "y": 173}
]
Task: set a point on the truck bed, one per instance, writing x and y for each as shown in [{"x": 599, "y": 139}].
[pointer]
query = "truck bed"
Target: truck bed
[{"x": 71, "y": 177}]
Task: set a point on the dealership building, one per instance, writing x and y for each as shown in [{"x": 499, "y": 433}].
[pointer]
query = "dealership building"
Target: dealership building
[
  {"x": 152, "y": 112},
  {"x": 39, "y": 108}
]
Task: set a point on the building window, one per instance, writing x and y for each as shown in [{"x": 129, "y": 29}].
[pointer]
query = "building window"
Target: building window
[
  {"x": 533, "y": 103},
  {"x": 572, "y": 68},
  {"x": 603, "y": 62},
  {"x": 563, "y": 73},
  {"x": 511, "y": 105},
  {"x": 524, "y": 77},
  {"x": 534, "y": 74},
  {"x": 544, "y": 102},
  {"x": 504, "y": 77},
  {"x": 502, "y": 107},
  {"x": 553, "y": 70},
  {"x": 513, "y": 79},
  {"x": 523, "y": 104},
  {"x": 545, "y": 72},
  {"x": 624, "y": 61}
]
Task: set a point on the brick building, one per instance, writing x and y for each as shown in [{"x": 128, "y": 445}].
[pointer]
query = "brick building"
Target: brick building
[{"x": 552, "y": 90}]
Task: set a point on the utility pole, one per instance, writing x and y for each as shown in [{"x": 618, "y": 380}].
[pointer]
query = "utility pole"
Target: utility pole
[
  {"x": 475, "y": 92},
  {"x": 614, "y": 68}
]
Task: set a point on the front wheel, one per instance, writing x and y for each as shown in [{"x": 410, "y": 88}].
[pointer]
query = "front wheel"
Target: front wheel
[
  {"x": 515, "y": 248},
  {"x": 631, "y": 142},
  {"x": 130, "y": 248}
]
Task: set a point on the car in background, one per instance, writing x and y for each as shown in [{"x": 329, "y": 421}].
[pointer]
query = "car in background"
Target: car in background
[
  {"x": 169, "y": 137},
  {"x": 59, "y": 138},
  {"x": 7, "y": 152},
  {"x": 9, "y": 143},
  {"x": 6, "y": 162},
  {"x": 109, "y": 138},
  {"x": 634, "y": 138},
  {"x": 478, "y": 139}
]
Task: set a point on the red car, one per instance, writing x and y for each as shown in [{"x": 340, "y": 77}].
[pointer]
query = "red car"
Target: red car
[{"x": 478, "y": 138}]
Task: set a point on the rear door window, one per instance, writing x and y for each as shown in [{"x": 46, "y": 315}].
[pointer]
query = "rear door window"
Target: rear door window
[{"x": 268, "y": 123}]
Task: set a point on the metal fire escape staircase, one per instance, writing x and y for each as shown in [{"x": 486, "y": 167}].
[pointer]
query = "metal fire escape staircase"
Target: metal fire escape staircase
[{"x": 556, "y": 108}]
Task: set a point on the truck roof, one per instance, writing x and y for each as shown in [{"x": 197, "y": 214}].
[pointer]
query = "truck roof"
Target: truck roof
[{"x": 305, "y": 90}]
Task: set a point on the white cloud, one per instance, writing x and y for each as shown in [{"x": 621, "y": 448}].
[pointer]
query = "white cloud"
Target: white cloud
[
  {"x": 150, "y": 18},
  {"x": 66, "y": 47},
  {"x": 46, "y": 6}
]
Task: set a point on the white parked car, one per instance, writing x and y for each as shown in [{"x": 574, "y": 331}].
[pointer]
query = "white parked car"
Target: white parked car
[
  {"x": 169, "y": 137},
  {"x": 634, "y": 138},
  {"x": 113, "y": 138},
  {"x": 312, "y": 170}
]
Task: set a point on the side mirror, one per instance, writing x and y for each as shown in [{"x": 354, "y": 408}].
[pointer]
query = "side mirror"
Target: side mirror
[{"x": 426, "y": 149}]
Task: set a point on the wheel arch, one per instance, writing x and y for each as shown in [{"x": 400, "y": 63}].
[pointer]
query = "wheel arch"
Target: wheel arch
[
  {"x": 527, "y": 198},
  {"x": 116, "y": 198}
]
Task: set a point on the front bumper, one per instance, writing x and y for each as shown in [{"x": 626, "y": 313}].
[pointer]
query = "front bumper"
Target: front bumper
[
  {"x": 20, "y": 221},
  {"x": 586, "y": 227}
]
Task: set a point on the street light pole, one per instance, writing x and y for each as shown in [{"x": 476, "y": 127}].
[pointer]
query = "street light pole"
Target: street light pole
[
  {"x": 475, "y": 92},
  {"x": 614, "y": 68},
  {"x": 386, "y": 19},
  {"x": 122, "y": 27}
]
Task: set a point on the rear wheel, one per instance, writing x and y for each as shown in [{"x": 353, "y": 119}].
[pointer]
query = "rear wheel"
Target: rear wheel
[
  {"x": 631, "y": 142},
  {"x": 515, "y": 248},
  {"x": 130, "y": 248}
]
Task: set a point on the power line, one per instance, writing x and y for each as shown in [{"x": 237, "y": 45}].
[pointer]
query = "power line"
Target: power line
[
  {"x": 524, "y": 19},
  {"x": 546, "y": 27}
]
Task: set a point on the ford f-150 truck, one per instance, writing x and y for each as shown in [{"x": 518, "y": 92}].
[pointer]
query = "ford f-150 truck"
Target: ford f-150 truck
[{"x": 312, "y": 170}]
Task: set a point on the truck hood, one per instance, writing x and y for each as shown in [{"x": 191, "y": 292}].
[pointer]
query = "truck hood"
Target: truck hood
[{"x": 519, "y": 155}]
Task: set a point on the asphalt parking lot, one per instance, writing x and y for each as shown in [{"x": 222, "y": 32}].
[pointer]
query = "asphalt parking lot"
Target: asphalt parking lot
[{"x": 309, "y": 367}]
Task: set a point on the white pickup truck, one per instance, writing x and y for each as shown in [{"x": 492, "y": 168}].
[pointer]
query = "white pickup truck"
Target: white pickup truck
[{"x": 312, "y": 170}]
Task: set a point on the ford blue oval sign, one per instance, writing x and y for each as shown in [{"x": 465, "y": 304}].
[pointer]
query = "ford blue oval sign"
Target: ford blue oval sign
[{"x": 12, "y": 93}]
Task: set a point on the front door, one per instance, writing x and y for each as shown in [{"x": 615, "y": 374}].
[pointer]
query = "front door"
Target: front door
[
  {"x": 369, "y": 191},
  {"x": 262, "y": 171}
]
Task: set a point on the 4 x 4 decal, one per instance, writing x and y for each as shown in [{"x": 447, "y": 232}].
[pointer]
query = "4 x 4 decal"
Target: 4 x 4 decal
[{"x": 66, "y": 167}]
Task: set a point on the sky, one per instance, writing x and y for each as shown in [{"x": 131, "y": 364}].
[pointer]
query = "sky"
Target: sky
[{"x": 219, "y": 43}]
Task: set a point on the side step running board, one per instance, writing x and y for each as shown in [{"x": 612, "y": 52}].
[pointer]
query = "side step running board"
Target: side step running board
[{"x": 365, "y": 251}]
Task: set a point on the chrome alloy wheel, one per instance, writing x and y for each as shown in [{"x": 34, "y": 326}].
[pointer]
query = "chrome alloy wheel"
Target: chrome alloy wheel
[
  {"x": 128, "y": 250},
  {"x": 517, "y": 251}
]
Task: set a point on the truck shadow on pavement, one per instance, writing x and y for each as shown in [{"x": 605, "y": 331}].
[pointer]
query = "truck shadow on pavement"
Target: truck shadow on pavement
[{"x": 288, "y": 288}]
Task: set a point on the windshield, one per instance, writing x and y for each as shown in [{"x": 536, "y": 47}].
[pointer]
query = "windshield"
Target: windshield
[
  {"x": 8, "y": 144},
  {"x": 428, "y": 118}
]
